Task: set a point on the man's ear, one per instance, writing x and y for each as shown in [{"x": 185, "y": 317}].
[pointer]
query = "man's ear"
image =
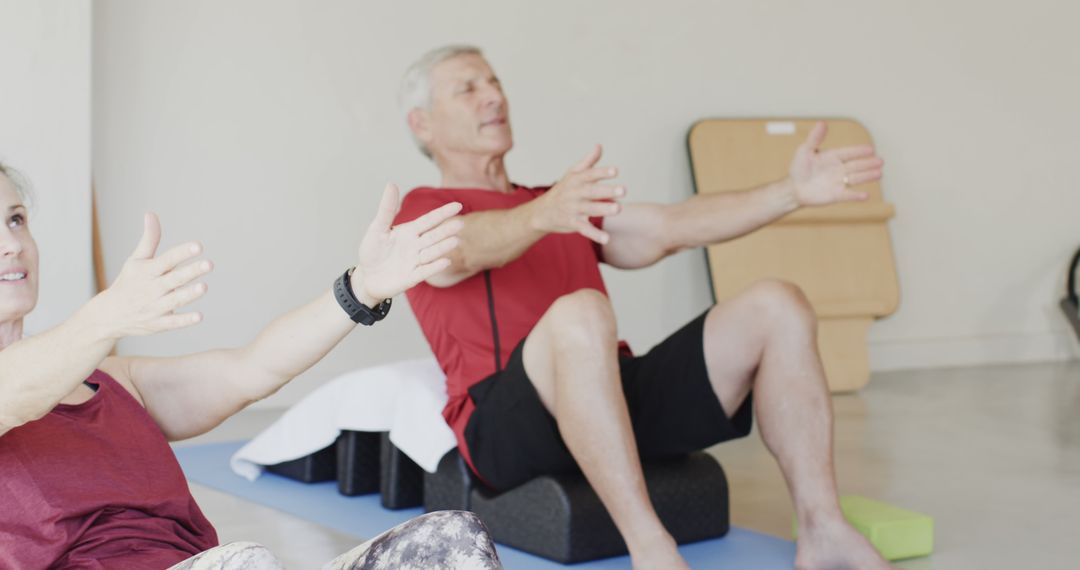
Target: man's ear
[{"x": 419, "y": 125}]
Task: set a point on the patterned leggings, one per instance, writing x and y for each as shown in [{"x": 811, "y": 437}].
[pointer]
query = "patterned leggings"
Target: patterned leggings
[{"x": 443, "y": 540}]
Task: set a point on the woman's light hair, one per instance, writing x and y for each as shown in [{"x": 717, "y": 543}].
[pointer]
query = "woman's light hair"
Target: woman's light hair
[
  {"x": 415, "y": 90},
  {"x": 22, "y": 186}
]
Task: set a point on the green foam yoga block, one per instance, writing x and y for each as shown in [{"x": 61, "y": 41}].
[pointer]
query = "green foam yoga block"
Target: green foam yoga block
[{"x": 896, "y": 533}]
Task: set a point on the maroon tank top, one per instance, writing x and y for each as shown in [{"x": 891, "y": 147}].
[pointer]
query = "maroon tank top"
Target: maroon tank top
[{"x": 95, "y": 485}]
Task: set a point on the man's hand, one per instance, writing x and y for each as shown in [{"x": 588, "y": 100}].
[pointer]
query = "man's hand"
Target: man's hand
[
  {"x": 145, "y": 296},
  {"x": 394, "y": 259},
  {"x": 567, "y": 207},
  {"x": 826, "y": 177}
]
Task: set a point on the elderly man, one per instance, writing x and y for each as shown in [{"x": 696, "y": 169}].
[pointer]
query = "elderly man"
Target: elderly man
[{"x": 521, "y": 324}]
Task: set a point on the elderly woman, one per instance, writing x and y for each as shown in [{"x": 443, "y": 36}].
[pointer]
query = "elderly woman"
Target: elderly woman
[{"x": 87, "y": 478}]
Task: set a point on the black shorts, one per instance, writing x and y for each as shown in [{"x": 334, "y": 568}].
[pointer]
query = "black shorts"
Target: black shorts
[{"x": 512, "y": 438}]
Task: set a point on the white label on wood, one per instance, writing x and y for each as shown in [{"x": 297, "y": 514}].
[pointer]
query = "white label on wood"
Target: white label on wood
[{"x": 780, "y": 128}]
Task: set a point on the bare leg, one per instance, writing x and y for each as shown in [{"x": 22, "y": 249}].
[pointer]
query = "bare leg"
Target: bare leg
[
  {"x": 571, "y": 358},
  {"x": 766, "y": 339}
]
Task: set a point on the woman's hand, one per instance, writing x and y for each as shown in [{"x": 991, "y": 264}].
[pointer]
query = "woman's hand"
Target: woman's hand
[
  {"x": 394, "y": 259},
  {"x": 145, "y": 297}
]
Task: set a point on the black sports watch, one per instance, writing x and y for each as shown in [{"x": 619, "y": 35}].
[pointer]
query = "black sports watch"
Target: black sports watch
[{"x": 357, "y": 311}]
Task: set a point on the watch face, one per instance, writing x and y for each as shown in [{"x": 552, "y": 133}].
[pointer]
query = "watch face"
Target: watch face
[{"x": 365, "y": 318}]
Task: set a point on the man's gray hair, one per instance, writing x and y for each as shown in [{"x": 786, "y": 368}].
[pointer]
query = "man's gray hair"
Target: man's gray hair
[
  {"x": 415, "y": 90},
  {"x": 22, "y": 187}
]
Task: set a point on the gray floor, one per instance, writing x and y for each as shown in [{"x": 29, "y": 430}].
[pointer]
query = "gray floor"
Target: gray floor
[{"x": 993, "y": 454}]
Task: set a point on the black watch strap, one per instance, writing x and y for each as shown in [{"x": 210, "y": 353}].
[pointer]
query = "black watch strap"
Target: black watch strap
[{"x": 357, "y": 311}]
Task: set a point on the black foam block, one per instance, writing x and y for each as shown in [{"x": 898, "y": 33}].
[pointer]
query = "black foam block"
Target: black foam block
[
  {"x": 315, "y": 468},
  {"x": 560, "y": 517},
  {"x": 358, "y": 462},
  {"x": 401, "y": 484}
]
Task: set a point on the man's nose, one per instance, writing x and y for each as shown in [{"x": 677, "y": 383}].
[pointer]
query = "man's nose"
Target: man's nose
[{"x": 493, "y": 96}]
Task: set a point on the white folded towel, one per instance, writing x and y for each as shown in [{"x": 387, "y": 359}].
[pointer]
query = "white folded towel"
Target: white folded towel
[{"x": 404, "y": 398}]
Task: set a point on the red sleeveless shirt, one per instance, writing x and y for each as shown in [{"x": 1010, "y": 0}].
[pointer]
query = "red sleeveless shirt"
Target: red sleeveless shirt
[
  {"x": 96, "y": 485},
  {"x": 456, "y": 320}
]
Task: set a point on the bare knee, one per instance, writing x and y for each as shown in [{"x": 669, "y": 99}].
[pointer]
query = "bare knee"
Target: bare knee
[
  {"x": 782, "y": 304},
  {"x": 583, "y": 318},
  {"x": 573, "y": 334},
  {"x": 739, "y": 332}
]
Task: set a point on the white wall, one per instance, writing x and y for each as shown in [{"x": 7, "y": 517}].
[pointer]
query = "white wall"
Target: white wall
[
  {"x": 266, "y": 129},
  {"x": 45, "y": 134}
]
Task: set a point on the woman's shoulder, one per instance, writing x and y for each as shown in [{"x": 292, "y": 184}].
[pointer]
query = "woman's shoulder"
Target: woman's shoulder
[{"x": 118, "y": 368}]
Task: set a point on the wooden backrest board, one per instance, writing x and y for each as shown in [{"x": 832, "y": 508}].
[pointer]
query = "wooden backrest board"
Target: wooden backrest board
[{"x": 841, "y": 255}]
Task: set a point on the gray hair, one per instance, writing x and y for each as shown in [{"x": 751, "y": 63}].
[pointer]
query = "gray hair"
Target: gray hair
[
  {"x": 22, "y": 186},
  {"x": 415, "y": 90}
]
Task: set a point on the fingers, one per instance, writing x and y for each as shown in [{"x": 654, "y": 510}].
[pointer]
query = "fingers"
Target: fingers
[
  {"x": 173, "y": 322},
  {"x": 816, "y": 136},
  {"x": 605, "y": 192},
  {"x": 170, "y": 259},
  {"x": 434, "y": 252},
  {"x": 853, "y": 196},
  {"x": 589, "y": 161},
  {"x": 151, "y": 288},
  {"x": 585, "y": 228},
  {"x": 856, "y": 178},
  {"x": 181, "y": 297},
  {"x": 423, "y": 272},
  {"x": 150, "y": 239},
  {"x": 851, "y": 152},
  {"x": 388, "y": 208},
  {"x": 596, "y": 174},
  {"x": 862, "y": 164},
  {"x": 442, "y": 231},
  {"x": 600, "y": 209},
  {"x": 149, "y": 243},
  {"x": 186, "y": 274},
  {"x": 433, "y": 218}
]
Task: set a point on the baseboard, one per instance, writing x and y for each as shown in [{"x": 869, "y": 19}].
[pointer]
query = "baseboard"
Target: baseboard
[{"x": 973, "y": 351}]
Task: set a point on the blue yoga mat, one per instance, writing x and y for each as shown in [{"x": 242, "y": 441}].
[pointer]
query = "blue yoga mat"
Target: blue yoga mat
[{"x": 363, "y": 517}]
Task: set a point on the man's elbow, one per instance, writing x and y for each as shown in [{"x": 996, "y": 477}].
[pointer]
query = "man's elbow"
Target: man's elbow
[
  {"x": 461, "y": 268},
  {"x": 663, "y": 242},
  {"x": 445, "y": 279},
  {"x": 669, "y": 235}
]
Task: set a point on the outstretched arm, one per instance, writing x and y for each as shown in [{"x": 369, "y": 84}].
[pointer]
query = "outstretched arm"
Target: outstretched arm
[
  {"x": 189, "y": 395},
  {"x": 37, "y": 372},
  {"x": 645, "y": 233},
  {"x": 494, "y": 238}
]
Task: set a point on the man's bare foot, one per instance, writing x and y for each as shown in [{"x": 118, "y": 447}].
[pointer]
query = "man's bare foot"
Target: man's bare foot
[
  {"x": 658, "y": 554},
  {"x": 835, "y": 545}
]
